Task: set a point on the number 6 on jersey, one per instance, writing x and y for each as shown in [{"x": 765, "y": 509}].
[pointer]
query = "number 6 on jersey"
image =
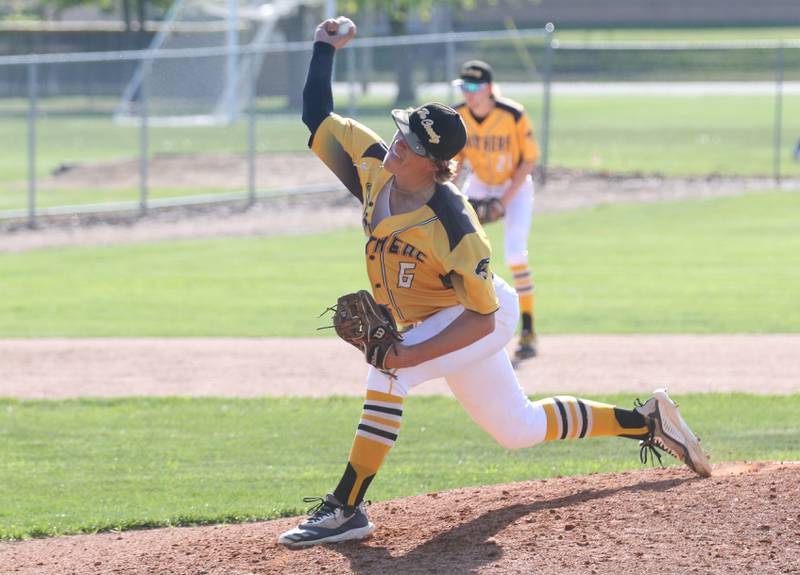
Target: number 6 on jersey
[{"x": 405, "y": 275}]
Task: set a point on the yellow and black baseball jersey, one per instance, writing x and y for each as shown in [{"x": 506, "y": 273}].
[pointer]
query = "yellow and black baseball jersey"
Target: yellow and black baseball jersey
[
  {"x": 498, "y": 143},
  {"x": 418, "y": 262}
]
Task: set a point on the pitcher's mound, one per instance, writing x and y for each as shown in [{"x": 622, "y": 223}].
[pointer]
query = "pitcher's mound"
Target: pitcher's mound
[{"x": 745, "y": 519}]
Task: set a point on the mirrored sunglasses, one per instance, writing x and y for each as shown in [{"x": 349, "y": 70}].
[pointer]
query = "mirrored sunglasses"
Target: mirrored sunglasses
[
  {"x": 415, "y": 146},
  {"x": 470, "y": 87}
]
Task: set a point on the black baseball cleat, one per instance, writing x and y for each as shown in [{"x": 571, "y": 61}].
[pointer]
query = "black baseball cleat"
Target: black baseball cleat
[
  {"x": 526, "y": 347},
  {"x": 668, "y": 431},
  {"x": 329, "y": 522}
]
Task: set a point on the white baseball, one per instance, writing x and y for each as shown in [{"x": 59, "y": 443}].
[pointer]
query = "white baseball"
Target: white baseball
[{"x": 344, "y": 27}]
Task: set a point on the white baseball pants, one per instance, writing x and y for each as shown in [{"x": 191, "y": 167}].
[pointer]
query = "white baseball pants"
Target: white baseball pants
[
  {"x": 518, "y": 215},
  {"x": 480, "y": 375}
]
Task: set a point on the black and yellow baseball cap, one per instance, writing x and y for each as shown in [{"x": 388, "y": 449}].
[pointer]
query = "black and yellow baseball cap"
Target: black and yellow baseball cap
[
  {"x": 474, "y": 72},
  {"x": 433, "y": 130}
]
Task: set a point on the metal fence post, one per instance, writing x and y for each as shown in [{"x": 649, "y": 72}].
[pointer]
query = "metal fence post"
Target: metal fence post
[
  {"x": 232, "y": 61},
  {"x": 777, "y": 136},
  {"x": 366, "y": 69},
  {"x": 549, "y": 54},
  {"x": 143, "y": 140},
  {"x": 32, "y": 113},
  {"x": 251, "y": 137},
  {"x": 451, "y": 71}
]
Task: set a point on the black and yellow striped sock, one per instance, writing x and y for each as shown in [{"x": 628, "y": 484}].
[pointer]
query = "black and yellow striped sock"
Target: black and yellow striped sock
[
  {"x": 377, "y": 431},
  {"x": 523, "y": 283},
  {"x": 572, "y": 418}
]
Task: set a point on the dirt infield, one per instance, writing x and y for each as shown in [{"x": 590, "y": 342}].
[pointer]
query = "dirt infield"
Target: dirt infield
[
  {"x": 588, "y": 364},
  {"x": 745, "y": 519},
  {"x": 565, "y": 190}
]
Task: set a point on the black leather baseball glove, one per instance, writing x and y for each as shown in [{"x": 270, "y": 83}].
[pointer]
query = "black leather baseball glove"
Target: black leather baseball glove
[
  {"x": 488, "y": 209},
  {"x": 367, "y": 325}
]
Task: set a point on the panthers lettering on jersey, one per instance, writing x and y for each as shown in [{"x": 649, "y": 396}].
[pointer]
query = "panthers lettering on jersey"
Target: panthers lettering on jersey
[
  {"x": 498, "y": 143},
  {"x": 419, "y": 262}
]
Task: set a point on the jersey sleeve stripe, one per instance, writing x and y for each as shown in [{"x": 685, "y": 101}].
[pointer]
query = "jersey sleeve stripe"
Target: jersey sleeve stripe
[
  {"x": 377, "y": 150},
  {"x": 341, "y": 164},
  {"x": 450, "y": 207},
  {"x": 487, "y": 313},
  {"x": 509, "y": 107}
]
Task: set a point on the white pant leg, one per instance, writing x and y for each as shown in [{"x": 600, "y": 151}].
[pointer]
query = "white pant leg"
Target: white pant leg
[
  {"x": 518, "y": 215},
  {"x": 489, "y": 391},
  {"x": 479, "y": 375},
  {"x": 475, "y": 189},
  {"x": 406, "y": 378},
  {"x": 518, "y": 224}
]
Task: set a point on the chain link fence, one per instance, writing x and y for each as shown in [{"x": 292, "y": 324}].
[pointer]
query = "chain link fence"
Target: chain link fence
[{"x": 679, "y": 109}]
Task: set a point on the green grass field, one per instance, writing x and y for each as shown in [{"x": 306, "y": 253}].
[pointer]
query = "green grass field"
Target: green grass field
[
  {"x": 654, "y": 134},
  {"x": 90, "y": 465},
  {"x": 707, "y": 266}
]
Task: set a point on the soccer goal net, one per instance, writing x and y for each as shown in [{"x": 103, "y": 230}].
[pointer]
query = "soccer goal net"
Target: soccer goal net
[{"x": 190, "y": 86}]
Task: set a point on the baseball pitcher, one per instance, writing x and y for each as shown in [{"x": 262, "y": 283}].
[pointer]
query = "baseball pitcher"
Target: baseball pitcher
[{"x": 429, "y": 266}]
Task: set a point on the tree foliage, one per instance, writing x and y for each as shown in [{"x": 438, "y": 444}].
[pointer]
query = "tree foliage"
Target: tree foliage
[
  {"x": 399, "y": 12},
  {"x": 58, "y": 6},
  {"x": 401, "y": 9}
]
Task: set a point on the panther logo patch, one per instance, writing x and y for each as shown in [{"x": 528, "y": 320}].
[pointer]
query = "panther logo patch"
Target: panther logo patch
[{"x": 482, "y": 269}]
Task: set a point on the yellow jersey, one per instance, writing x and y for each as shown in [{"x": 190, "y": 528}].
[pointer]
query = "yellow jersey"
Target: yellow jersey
[
  {"x": 418, "y": 262},
  {"x": 498, "y": 143}
]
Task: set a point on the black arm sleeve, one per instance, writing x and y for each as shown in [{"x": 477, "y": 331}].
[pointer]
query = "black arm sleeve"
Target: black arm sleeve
[{"x": 317, "y": 93}]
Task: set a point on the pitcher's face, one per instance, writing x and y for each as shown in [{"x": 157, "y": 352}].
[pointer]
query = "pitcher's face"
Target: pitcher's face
[{"x": 401, "y": 159}]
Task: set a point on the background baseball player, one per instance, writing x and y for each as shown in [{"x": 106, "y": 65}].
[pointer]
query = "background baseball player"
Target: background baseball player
[
  {"x": 501, "y": 152},
  {"x": 428, "y": 260}
]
